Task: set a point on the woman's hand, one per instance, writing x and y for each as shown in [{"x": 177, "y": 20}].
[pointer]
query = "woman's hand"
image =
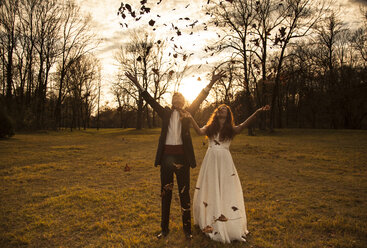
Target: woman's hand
[{"x": 264, "y": 108}]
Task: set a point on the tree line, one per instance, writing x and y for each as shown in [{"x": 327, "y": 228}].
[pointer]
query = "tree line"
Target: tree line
[
  {"x": 299, "y": 56},
  {"x": 49, "y": 75}
]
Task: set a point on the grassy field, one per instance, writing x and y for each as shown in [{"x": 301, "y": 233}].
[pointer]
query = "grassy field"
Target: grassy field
[{"x": 302, "y": 188}]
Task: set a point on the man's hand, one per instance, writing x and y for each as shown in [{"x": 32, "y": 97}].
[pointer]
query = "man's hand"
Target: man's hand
[
  {"x": 216, "y": 77},
  {"x": 134, "y": 80}
]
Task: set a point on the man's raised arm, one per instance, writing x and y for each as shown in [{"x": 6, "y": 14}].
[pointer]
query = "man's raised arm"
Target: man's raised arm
[{"x": 148, "y": 98}]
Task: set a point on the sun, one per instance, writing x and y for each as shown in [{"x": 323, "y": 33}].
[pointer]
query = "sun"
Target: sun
[{"x": 190, "y": 87}]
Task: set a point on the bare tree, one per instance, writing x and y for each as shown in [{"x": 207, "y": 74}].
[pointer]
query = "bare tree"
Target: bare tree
[{"x": 76, "y": 40}]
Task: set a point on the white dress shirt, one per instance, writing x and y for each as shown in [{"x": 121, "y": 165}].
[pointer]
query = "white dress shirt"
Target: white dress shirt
[{"x": 174, "y": 130}]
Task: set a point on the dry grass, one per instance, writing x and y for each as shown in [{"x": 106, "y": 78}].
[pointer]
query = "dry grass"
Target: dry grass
[{"x": 302, "y": 188}]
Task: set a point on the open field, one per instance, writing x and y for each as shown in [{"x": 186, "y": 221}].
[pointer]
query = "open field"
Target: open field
[{"x": 302, "y": 188}]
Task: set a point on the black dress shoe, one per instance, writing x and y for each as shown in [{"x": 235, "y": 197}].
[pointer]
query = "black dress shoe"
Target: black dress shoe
[{"x": 162, "y": 235}]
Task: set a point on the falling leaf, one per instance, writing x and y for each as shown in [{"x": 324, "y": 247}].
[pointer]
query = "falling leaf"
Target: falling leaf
[
  {"x": 222, "y": 218},
  {"x": 216, "y": 142},
  {"x": 205, "y": 204},
  {"x": 171, "y": 73},
  {"x": 208, "y": 229},
  {"x": 155, "y": 71},
  {"x": 203, "y": 143},
  {"x": 143, "y": 2},
  {"x": 127, "y": 168},
  {"x": 133, "y": 14},
  {"x": 178, "y": 32},
  {"x": 208, "y": 2},
  {"x": 233, "y": 174},
  {"x": 186, "y": 18},
  {"x": 199, "y": 79},
  {"x": 216, "y": 233},
  {"x": 138, "y": 59},
  {"x": 168, "y": 186},
  {"x": 187, "y": 6},
  {"x": 128, "y": 7},
  {"x": 178, "y": 166},
  {"x": 175, "y": 55},
  {"x": 191, "y": 33},
  {"x": 234, "y": 208},
  {"x": 184, "y": 57},
  {"x": 231, "y": 1},
  {"x": 197, "y": 188},
  {"x": 183, "y": 189},
  {"x": 159, "y": 42},
  {"x": 151, "y": 22},
  {"x": 159, "y": 1}
]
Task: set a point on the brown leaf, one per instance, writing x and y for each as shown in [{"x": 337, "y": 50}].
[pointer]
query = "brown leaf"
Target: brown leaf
[
  {"x": 199, "y": 79},
  {"x": 208, "y": 229},
  {"x": 168, "y": 186},
  {"x": 151, "y": 22},
  {"x": 183, "y": 189},
  {"x": 197, "y": 188},
  {"x": 178, "y": 166},
  {"x": 222, "y": 218},
  {"x": 171, "y": 72},
  {"x": 234, "y": 208},
  {"x": 175, "y": 55},
  {"x": 138, "y": 59},
  {"x": 184, "y": 57},
  {"x": 205, "y": 204},
  {"x": 155, "y": 71},
  {"x": 127, "y": 168},
  {"x": 233, "y": 174}
]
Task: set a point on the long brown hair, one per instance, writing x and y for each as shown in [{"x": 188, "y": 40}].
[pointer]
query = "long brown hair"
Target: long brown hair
[{"x": 213, "y": 126}]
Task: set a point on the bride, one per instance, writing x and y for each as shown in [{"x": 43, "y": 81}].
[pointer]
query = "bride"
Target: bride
[{"x": 218, "y": 204}]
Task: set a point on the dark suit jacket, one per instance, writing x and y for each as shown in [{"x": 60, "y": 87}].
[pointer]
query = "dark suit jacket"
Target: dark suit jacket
[{"x": 165, "y": 115}]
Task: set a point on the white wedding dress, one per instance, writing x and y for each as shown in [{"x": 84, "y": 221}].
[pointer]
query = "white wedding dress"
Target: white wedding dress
[{"x": 218, "y": 204}]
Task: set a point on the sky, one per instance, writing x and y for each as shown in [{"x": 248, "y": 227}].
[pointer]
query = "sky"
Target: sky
[{"x": 106, "y": 24}]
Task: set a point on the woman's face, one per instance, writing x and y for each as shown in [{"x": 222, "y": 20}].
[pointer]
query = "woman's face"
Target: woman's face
[{"x": 222, "y": 112}]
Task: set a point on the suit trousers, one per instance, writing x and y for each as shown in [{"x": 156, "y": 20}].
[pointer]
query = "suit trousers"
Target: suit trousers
[{"x": 175, "y": 164}]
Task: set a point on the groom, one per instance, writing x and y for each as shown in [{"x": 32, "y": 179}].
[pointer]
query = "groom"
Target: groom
[{"x": 175, "y": 153}]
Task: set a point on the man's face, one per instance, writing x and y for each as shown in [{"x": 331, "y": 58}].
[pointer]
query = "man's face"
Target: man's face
[{"x": 178, "y": 101}]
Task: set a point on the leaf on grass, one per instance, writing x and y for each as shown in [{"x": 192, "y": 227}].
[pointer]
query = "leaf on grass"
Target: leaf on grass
[
  {"x": 222, "y": 218},
  {"x": 208, "y": 229},
  {"x": 234, "y": 208},
  {"x": 127, "y": 168},
  {"x": 205, "y": 204}
]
